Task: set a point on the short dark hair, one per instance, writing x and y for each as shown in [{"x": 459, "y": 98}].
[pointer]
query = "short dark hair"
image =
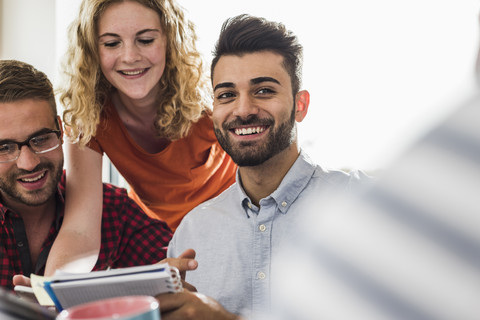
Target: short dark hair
[
  {"x": 20, "y": 80},
  {"x": 247, "y": 34}
]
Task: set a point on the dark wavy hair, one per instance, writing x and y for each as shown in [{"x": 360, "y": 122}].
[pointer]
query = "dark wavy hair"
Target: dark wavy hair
[{"x": 247, "y": 34}]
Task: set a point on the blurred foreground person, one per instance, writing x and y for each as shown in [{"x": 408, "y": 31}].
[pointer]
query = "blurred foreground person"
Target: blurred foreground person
[{"x": 406, "y": 248}]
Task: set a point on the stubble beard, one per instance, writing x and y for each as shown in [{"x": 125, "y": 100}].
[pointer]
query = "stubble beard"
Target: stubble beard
[
  {"x": 249, "y": 153},
  {"x": 9, "y": 185}
]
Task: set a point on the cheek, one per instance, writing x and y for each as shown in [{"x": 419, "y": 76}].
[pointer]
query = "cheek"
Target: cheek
[
  {"x": 107, "y": 60},
  {"x": 107, "y": 66},
  {"x": 216, "y": 122},
  {"x": 7, "y": 171},
  {"x": 218, "y": 116},
  {"x": 4, "y": 169},
  {"x": 284, "y": 110},
  {"x": 58, "y": 157},
  {"x": 157, "y": 55},
  {"x": 160, "y": 49},
  {"x": 218, "y": 113}
]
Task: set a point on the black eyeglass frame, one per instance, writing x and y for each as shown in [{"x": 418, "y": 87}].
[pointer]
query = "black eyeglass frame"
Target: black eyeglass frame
[{"x": 26, "y": 142}]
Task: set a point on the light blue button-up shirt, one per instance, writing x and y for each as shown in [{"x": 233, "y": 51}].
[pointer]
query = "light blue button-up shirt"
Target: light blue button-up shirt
[{"x": 236, "y": 240}]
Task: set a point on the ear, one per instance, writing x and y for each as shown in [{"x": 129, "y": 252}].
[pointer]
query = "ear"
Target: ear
[
  {"x": 60, "y": 126},
  {"x": 302, "y": 100}
]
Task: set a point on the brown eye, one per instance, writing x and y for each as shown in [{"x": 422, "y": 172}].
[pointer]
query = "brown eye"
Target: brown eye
[
  {"x": 225, "y": 95},
  {"x": 265, "y": 91},
  {"x": 7, "y": 148}
]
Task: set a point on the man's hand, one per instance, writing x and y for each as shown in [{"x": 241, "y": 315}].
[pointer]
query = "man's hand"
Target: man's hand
[
  {"x": 21, "y": 280},
  {"x": 184, "y": 262},
  {"x": 192, "y": 305}
]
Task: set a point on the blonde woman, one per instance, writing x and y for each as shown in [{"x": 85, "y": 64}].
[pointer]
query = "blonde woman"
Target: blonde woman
[{"x": 135, "y": 90}]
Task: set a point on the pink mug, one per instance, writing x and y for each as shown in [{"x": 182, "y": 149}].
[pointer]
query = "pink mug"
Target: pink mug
[{"x": 120, "y": 308}]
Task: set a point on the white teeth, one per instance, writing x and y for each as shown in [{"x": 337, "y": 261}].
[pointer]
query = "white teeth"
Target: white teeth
[
  {"x": 34, "y": 179},
  {"x": 247, "y": 131},
  {"x": 132, "y": 73}
]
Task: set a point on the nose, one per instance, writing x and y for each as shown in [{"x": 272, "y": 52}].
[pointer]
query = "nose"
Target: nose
[
  {"x": 245, "y": 106},
  {"x": 130, "y": 53},
  {"x": 27, "y": 159}
]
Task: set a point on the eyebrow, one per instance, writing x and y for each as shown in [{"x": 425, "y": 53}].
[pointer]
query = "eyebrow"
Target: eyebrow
[
  {"x": 252, "y": 81},
  {"x": 111, "y": 34},
  {"x": 264, "y": 79},
  {"x": 224, "y": 85}
]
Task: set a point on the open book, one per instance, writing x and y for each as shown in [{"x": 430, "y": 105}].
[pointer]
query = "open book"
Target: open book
[{"x": 67, "y": 290}]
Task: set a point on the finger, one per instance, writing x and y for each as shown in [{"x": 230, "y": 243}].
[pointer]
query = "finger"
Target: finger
[
  {"x": 21, "y": 280},
  {"x": 170, "y": 301},
  {"x": 181, "y": 264},
  {"x": 188, "y": 286},
  {"x": 189, "y": 254},
  {"x": 187, "y": 257},
  {"x": 184, "y": 262}
]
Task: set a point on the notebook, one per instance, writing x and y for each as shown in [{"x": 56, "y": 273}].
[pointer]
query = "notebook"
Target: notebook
[{"x": 67, "y": 290}]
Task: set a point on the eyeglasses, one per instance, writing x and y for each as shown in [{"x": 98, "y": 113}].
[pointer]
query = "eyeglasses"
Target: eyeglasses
[{"x": 39, "y": 143}]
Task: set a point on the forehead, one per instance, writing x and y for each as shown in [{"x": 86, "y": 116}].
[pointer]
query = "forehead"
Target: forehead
[
  {"x": 126, "y": 15},
  {"x": 241, "y": 69},
  {"x": 19, "y": 119}
]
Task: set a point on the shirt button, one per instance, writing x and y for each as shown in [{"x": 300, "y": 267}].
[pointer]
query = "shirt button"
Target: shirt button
[
  {"x": 261, "y": 275},
  {"x": 20, "y": 244},
  {"x": 262, "y": 227},
  {"x": 284, "y": 204}
]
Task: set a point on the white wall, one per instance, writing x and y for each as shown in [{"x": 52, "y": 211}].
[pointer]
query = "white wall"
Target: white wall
[
  {"x": 27, "y": 33},
  {"x": 66, "y": 10},
  {"x": 35, "y": 31},
  {"x": 380, "y": 72}
]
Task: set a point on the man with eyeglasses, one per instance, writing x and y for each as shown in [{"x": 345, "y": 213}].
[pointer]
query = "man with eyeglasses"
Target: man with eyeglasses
[{"x": 32, "y": 186}]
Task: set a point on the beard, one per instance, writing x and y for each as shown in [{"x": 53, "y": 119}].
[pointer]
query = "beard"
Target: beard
[
  {"x": 9, "y": 185},
  {"x": 251, "y": 153}
]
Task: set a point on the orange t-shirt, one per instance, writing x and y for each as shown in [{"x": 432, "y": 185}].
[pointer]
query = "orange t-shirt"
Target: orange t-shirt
[{"x": 168, "y": 184}]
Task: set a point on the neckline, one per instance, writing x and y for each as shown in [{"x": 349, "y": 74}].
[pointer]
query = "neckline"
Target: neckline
[{"x": 116, "y": 119}]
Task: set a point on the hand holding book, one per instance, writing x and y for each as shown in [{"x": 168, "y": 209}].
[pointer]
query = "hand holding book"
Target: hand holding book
[{"x": 67, "y": 290}]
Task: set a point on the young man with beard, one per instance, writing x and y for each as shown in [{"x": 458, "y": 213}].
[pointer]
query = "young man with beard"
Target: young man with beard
[
  {"x": 256, "y": 74},
  {"x": 32, "y": 187}
]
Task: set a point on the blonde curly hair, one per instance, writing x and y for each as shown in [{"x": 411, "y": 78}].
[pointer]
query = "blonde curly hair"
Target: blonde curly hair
[{"x": 184, "y": 94}]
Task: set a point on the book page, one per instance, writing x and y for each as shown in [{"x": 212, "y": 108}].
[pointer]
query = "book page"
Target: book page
[
  {"x": 147, "y": 280},
  {"x": 39, "y": 291}
]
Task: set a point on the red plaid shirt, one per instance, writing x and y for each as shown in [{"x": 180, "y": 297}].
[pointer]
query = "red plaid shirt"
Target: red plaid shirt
[{"x": 129, "y": 237}]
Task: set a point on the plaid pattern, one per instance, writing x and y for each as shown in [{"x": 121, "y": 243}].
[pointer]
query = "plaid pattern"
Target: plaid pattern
[{"x": 129, "y": 237}]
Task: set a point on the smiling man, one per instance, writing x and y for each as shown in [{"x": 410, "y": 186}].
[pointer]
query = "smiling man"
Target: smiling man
[
  {"x": 256, "y": 74},
  {"x": 32, "y": 186}
]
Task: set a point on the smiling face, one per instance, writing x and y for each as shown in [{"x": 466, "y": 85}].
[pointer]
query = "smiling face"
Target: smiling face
[
  {"x": 254, "y": 111},
  {"x": 132, "y": 49},
  {"x": 31, "y": 179}
]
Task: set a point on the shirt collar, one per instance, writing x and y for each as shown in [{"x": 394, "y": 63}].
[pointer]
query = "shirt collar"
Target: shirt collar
[
  {"x": 241, "y": 196},
  {"x": 3, "y": 212},
  {"x": 289, "y": 189},
  {"x": 60, "y": 198}
]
